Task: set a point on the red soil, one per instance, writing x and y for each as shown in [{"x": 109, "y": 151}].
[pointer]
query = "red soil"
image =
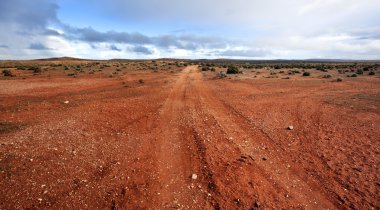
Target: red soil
[{"x": 137, "y": 147}]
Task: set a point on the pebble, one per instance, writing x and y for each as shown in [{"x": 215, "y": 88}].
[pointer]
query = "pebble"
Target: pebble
[
  {"x": 194, "y": 176},
  {"x": 290, "y": 127},
  {"x": 66, "y": 102}
]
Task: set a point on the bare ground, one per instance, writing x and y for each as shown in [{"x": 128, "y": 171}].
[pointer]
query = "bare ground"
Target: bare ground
[{"x": 121, "y": 143}]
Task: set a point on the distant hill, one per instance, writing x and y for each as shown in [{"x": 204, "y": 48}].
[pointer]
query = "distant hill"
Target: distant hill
[{"x": 61, "y": 59}]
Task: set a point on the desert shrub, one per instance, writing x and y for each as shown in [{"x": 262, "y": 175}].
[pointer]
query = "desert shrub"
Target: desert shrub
[
  {"x": 306, "y": 74},
  {"x": 141, "y": 81},
  {"x": 71, "y": 74},
  {"x": 320, "y": 68},
  {"x": 339, "y": 79},
  {"x": 359, "y": 71},
  {"x": 66, "y": 68},
  {"x": 7, "y": 73},
  {"x": 35, "y": 69},
  {"x": 365, "y": 69},
  {"x": 371, "y": 73},
  {"x": 327, "y": 76},
  {"x": 295, "y": 72},
  {"x": 204, "y": 68},
  {"x": 233, "y": 70},
  {"x": 222, "y": 74},
  {"x": 354, "y": 75}
]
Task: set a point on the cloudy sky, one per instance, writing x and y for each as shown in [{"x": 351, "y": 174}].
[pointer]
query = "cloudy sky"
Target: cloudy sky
[{"x": 250, "y": 29}]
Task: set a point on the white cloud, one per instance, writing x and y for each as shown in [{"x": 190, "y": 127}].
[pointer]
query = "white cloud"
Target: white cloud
[{"x": 250, "y": 28}]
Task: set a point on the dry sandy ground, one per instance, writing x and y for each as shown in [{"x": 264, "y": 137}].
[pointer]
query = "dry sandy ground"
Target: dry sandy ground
[{"x": 120, "y": 143}]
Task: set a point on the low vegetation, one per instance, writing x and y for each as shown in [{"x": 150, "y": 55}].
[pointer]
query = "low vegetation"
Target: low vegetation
[
  {"x": 233, "y": 70},
  {"x": 7, "y": 73}
]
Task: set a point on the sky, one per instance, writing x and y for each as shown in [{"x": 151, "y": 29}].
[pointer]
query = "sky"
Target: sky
[{"x": 147, "y": 29}]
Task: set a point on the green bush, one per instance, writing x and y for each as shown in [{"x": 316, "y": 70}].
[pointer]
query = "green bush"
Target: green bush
[
  {"x": 371, "y": 73},
  {"x": 306, "y": 74},
  {"x": 359, "y": 71},
  {"x": 233, "y": 70}
]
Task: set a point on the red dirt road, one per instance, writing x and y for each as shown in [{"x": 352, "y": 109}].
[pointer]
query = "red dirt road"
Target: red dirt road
[{"x": 137, "y": 147}]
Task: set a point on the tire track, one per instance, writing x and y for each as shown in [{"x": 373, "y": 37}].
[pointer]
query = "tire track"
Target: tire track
[{"x": 240, "y": 130}]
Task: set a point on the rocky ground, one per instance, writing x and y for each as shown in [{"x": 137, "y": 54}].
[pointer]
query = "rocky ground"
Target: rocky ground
[{"x": 183, "y": 138}]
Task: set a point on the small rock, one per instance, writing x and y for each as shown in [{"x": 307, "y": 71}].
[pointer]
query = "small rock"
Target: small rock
[
  {"x": 194, "y": 176},
  {"x": 290, "y": 127},
  {"x": 265, "y": 158},
  {"x": 256, "y": 205},
  {"x": 66, "y": 102}
]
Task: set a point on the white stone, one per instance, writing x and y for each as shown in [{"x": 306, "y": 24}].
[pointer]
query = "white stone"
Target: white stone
[{"x": 194, "y": 176}]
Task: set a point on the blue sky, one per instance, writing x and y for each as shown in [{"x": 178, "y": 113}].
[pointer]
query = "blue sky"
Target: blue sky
[{"x": 248, "y": 29}]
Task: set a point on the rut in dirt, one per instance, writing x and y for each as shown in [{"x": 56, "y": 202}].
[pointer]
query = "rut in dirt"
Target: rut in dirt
[
  {"x": 176, "y": 153},
  {"x": 197, "y": 133}
]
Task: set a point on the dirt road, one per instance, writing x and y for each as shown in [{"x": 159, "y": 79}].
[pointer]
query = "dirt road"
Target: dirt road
[
  {"x": 216, "y": 134},
  {"x": 182, "y": 141}
]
